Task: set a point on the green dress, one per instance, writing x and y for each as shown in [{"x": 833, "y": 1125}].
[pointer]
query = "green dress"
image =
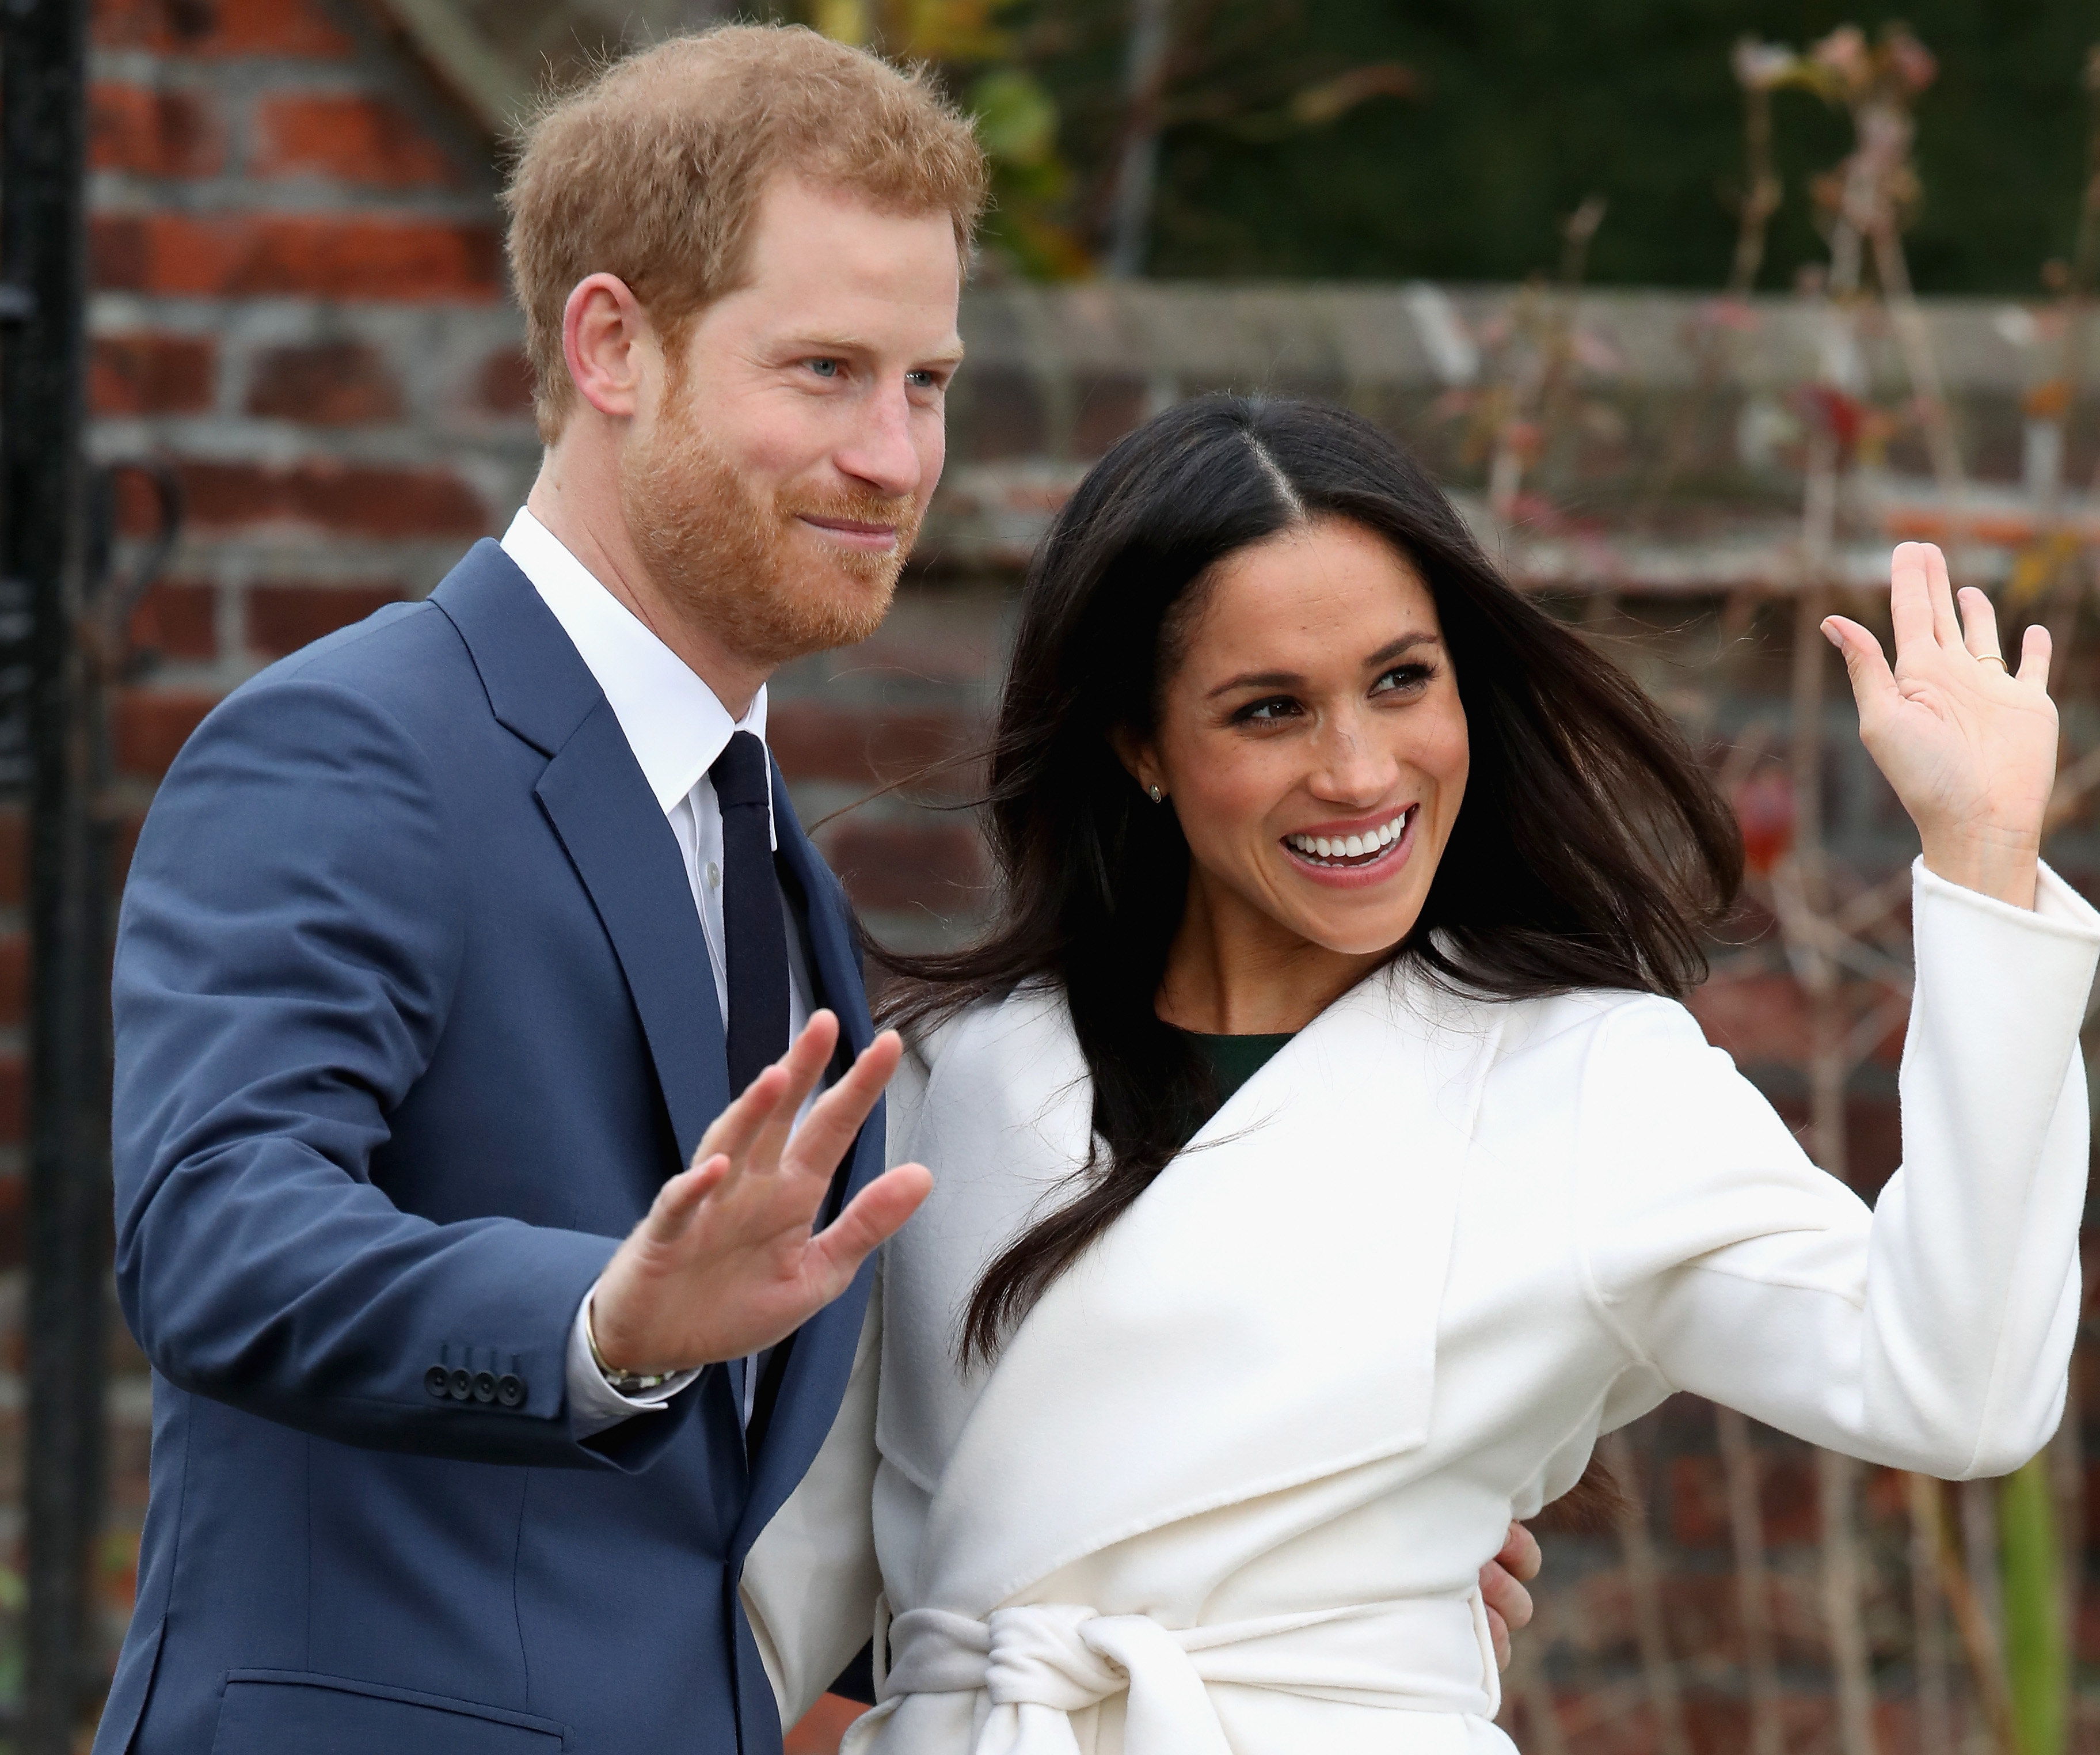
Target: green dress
[{"x": 1234, "y": 1060}]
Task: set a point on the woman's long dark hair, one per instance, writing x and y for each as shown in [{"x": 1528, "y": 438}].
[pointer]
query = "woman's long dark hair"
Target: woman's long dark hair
[{"x": 1591, "y": 850}]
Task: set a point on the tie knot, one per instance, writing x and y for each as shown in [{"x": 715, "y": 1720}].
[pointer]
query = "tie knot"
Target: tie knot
[{"x": 739, "y": 772}]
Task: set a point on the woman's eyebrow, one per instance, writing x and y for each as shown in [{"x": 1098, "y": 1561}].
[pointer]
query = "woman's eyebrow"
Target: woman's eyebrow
[
  {"x": 1257, "y": 680},
  {"x": 1393, "y": 649},
  {"x": 1292, "y": 679}
]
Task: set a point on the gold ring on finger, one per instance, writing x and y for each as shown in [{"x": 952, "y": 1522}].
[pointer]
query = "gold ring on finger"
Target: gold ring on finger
[{"x": 1993, "y": 658}]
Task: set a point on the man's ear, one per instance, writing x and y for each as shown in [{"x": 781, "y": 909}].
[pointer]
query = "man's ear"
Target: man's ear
[
  {"x": 1139, "y": 760},
  {"x": 608, "y": 339}
]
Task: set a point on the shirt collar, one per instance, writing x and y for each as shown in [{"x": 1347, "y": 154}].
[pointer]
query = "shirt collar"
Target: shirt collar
[{"x": 676, "y": 725}]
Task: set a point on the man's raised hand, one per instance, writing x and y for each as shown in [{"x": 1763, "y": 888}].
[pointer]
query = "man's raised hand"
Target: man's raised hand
[{"x": 725, "y": 1263}]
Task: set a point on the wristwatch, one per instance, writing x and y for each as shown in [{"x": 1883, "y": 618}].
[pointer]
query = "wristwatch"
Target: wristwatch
[{"x": 628, "y": 1383}]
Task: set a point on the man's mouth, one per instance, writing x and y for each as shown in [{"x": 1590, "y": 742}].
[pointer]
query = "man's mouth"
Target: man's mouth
[
  {"x": 852, "y": 532},
  {"x": 1355, "y": 852}
]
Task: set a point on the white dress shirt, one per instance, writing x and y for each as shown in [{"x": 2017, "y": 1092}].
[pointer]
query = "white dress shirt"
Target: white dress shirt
[{"x": 676, "y": 727}]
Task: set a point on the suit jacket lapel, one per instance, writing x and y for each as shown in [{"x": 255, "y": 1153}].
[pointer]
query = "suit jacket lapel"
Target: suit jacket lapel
[
  {"x": 628, "y": 857},
  {"x": 821, "y": 1355},
  {"x": 609, "y": 823}
]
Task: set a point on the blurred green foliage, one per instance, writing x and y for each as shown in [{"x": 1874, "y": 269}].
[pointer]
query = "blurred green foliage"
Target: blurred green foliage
[
  {"x": 1495, "y": 118},
  {"x": 2037, "y": 1647}
]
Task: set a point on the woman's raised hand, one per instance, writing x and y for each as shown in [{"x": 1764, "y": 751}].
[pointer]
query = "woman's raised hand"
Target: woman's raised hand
[{"x": 1969, "y": 744}]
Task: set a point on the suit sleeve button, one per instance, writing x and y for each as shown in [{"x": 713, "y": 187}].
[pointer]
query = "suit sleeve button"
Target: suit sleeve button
[
  {"x": 510, "y": 1390},
  {"x": 438, "y": 1383},
  {"x": 462, "y": 1384},
  {"x": 484, "y": 1385}
]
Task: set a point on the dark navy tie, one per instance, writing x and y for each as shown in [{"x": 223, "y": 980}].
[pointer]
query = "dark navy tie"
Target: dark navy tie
[{"x": 754, "y": 927}]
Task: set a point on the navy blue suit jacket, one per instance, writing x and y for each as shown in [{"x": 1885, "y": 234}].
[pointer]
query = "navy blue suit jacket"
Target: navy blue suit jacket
[{"x": 414, "y": 1017}]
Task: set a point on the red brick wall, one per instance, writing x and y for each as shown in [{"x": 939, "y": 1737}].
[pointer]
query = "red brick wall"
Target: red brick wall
[{"x": 299, "y": 306}]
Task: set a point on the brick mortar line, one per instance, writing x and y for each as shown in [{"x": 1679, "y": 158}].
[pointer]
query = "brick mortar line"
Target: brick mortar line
[
  {"x": 243, "y": 77},
  {"x": 127, "y": 195},
  {"x": 215, "y": 440},
  {"x": 270, "y": 317}
]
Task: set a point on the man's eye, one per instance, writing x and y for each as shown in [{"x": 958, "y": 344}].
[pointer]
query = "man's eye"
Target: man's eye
[
  {"x": 825, "y": 368},
  {"x": 922, "y": 380}
]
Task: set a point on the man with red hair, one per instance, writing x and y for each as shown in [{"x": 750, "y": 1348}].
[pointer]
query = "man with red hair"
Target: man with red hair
[{"x": 453, "y": 940}]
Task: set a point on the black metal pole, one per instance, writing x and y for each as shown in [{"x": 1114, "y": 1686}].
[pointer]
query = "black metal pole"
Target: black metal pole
[{"x": 44, "y": 740}]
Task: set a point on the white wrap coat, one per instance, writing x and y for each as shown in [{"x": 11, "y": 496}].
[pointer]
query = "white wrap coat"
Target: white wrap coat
[{"x": 1230, "y": 1485}]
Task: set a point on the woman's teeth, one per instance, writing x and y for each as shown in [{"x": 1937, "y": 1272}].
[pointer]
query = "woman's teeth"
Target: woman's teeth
[{"x": 1351, "y": 849}]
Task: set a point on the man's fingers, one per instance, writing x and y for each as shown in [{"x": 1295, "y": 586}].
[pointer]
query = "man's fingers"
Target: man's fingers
[
  {"x": 679, "y": 1199},
  {"x": 874, "y": 1215},
  {"x": 1507, "y": 1602},
  {"x": 1498, "y": 1632},
  {"x": 732, "y": 1132},
  {"x": 1504, "y": 1595},
  {"x": 2034, "y": 655},
  {"x": 804, "y": 1062},
  {"x": 1979, "y": 625},
  {"x": 1521, "y": 1556},
  {"x": 837, "y": 1115}
]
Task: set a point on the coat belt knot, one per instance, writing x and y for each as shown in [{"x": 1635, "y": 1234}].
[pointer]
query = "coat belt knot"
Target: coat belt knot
[{"x": 1034, "y": 1665}]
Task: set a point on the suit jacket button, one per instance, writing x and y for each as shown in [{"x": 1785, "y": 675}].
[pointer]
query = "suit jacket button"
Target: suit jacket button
[
  {"x": 462, "y": 1384},
  {"x": 438, "y": 1381},
  {"x": 484, "y": 1385},
  {"x": 510, "y": 1390}
]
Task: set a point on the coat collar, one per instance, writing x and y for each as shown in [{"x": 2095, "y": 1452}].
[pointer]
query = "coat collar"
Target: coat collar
[
  {"x": 1271, "y": 1300},
  {"x": 538, "y": 687}
]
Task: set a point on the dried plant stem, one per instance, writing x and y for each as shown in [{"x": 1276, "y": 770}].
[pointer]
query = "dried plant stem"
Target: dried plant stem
[
  {"x": 1838, "y": 1478},
  {"x": 1739, "y": 1467},
  {"x": 1761, "y": 198},
  {"x": 1527, "y": 1684},
  {"x": 1979, "y": 1504},
  {"x": 1972, "y": 1623},
  {"x": 1914, "y": 339},
  {"x": 1146, "y": 57},
  {"x": 1829, "y": 1065},
  {"x": 1936, "y": 1725},
  {"x": 1644, "y": 1579}
]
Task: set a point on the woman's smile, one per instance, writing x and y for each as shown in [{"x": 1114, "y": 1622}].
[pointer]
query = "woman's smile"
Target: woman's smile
[{"x": 1367, "y": 851}]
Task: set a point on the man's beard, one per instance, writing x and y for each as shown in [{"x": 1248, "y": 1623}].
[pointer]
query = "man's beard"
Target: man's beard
[{"x": 727, "y": 554}]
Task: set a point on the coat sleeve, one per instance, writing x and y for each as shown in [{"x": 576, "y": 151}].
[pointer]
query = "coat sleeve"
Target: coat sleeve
[
  {"x": 289, "y": 938},
  {"x": 1933, "y": 1333}
]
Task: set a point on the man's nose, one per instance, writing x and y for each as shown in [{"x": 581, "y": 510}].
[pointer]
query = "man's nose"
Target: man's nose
[{"x": 881, "y": 451}]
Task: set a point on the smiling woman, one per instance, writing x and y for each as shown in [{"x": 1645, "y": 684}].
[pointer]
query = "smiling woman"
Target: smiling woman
[
  {"x": 1321, "y": 1160},
  {"x": 1269, "y": 612},
  {"x": 1315, "y": 782}
]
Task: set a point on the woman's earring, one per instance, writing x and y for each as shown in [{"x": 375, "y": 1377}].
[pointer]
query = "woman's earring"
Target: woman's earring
[{"x": 1154, "y": 794}]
